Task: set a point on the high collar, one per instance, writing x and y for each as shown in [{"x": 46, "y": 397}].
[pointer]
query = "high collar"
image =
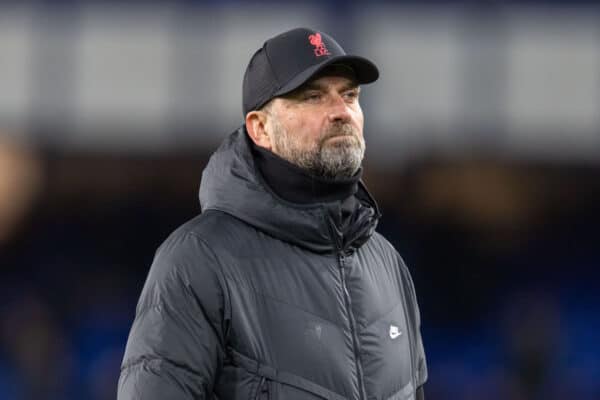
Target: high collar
[
  {"x": 232, "y": 184},
  {"x": 296, "y": 185}
]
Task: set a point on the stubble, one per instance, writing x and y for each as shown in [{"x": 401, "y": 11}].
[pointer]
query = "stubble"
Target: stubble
[{"x": 338, "y": 153}]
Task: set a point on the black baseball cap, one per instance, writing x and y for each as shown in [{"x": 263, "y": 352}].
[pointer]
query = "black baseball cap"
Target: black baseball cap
[{"x": 290, "y": 59}]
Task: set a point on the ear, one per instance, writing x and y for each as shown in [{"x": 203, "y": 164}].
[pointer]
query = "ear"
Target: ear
[{"x": 256, "y": 122}]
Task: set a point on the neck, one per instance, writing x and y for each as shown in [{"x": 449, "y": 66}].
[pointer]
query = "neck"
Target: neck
[{"x": 296, "y": 185}]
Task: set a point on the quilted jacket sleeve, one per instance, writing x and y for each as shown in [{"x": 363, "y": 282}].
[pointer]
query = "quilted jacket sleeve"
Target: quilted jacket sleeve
[{"x": 175, "y": 347}]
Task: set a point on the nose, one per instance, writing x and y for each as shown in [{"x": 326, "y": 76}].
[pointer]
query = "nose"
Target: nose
[{"x": 339, "y": 109}]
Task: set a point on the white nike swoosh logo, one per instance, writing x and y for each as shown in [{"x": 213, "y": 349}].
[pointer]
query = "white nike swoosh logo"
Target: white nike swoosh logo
[{"x": 394, "y": 332}]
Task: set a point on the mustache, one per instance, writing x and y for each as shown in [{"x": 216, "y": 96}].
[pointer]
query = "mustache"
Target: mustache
[{"x": 339, "y": 129}]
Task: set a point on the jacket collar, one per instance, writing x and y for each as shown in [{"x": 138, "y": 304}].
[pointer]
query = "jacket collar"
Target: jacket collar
[
  {"x": 297, "y": 185},
  {"x": 231, "y": 184}
]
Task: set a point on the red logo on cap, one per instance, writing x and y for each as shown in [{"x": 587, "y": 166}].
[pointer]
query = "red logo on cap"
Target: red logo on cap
[{"x": 317, "y": 41}]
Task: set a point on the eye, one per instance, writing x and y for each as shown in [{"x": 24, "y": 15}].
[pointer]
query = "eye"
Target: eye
[
  {"x": 312, "y": 96},
  {"x": 351, "y": 95}
]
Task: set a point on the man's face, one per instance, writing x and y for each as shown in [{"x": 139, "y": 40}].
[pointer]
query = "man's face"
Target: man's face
[{"x": 319, "y": 127}]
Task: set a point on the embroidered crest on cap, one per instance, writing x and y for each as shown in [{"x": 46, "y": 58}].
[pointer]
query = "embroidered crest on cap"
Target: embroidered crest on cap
[{"x": 317, "y": 41}]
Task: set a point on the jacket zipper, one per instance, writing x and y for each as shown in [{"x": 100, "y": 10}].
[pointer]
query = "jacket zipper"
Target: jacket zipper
[{"x": 348, "y": 302}]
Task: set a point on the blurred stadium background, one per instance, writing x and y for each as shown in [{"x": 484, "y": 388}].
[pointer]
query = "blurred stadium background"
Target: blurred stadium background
[{"x": 483, "y": 150}]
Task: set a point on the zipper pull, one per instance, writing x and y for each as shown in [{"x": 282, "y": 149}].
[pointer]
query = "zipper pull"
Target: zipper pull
[{"x": 342, "y": 259}]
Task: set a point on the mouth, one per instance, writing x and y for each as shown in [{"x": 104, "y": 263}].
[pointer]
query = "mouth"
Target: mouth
[
  {"x": 338, "y": 137},
  {"x": 340, "y": 133}
]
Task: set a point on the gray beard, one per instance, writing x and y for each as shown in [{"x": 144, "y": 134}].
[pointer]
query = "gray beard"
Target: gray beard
[{"x": 336, "y": 159}]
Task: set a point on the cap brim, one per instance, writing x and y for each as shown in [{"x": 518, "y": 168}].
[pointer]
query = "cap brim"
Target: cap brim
[{"x": 364, "y": 69}]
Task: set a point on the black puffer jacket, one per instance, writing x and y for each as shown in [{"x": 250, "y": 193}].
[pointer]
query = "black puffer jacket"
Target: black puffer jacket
[{"x": 258, "y": 298}]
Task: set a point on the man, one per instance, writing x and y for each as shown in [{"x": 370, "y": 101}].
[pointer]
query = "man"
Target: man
[{"x": 281, "y": 288}]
